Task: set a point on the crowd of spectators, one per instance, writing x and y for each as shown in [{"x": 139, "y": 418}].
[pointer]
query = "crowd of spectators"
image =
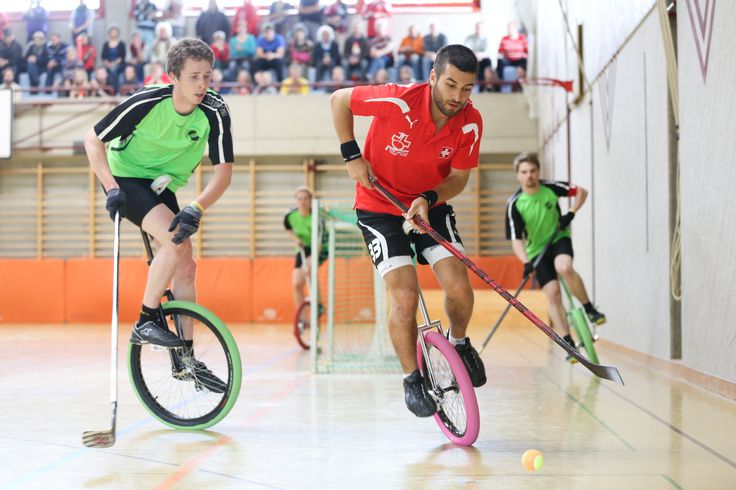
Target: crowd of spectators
[{"x": 294, "y": 49}]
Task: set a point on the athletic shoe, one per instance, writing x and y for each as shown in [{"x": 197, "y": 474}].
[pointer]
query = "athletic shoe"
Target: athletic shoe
[
  {"x": 473, "y": 362},
  {"x": 416, "y": 397},
  {"x": 570, "y": 358},
  {"x": 596, "y": 317},
  {"x": 150, "y": 333}
]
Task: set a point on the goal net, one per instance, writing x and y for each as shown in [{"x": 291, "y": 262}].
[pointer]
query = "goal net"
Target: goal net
[{"x": 352, "y": 334}]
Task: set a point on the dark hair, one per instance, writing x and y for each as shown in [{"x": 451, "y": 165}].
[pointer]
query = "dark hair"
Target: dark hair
[
  {"x": 187, "y": 48},
  {"x": 458, "y": 56},
  {"x": 526, "y": 157}
]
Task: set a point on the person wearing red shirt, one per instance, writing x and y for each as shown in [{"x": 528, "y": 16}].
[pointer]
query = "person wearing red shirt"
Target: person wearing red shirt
[
  {"x": 513, "y": 51},
  {"x": 249, "y": 14},
  {"x": 377, "y": 9},
  {"x": 423, "y": 142}
]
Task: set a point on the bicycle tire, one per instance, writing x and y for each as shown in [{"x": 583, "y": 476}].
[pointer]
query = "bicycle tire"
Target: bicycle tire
[
  {"x": 457, "y": 416},
  {"x": 213, "y": 342},
  {"x": 301, "y": 332},
  {"x": 580, "y": 324}
]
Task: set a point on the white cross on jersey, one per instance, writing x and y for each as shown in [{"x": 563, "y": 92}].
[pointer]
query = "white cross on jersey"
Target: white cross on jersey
[{"x": 445, "y": 152}]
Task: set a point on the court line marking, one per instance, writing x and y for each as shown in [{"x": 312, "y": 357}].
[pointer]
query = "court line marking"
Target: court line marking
[{"x": 81, "y": 451}]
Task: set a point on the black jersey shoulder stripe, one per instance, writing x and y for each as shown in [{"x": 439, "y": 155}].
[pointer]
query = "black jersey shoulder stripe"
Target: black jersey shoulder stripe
[{"x": 151, "y": 96}]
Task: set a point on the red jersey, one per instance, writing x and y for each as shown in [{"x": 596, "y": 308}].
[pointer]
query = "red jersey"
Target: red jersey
[
  {"x": 404, "y": 152},
  {"x": 513, "y": 49}
]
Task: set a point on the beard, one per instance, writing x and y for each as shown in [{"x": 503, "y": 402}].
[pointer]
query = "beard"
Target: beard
[{"x": 442, "y": 107}]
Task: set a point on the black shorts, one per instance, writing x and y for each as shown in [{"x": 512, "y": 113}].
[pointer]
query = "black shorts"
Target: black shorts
[
  {"x": 307, "y": 254},
  {"x": 140, "y": 198},
  {"x": 545, "y": 271},
  {"x": 390, "y": 248}
]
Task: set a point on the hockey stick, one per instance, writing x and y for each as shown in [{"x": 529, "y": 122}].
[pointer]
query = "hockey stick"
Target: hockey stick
[
  {"x": 106, "y": 438},
  {"x": 606, "y": 372},
  {"x": 518, "y": 291}
]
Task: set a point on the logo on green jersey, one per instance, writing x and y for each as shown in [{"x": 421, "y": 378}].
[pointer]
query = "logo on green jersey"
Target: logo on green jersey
[{"x": 192, "y": 134}]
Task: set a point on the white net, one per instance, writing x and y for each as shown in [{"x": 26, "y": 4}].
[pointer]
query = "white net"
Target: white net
[{"x": 353, "y": 332}]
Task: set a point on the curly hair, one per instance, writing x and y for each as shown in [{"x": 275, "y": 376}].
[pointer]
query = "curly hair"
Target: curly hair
[{"x": 187, "y": 48}]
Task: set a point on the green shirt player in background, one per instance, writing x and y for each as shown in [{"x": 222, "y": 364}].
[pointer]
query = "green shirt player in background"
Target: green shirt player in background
[
  {"x": 298, "y": 224},
  {"x": 162, "y": 131},
  {"x": 532, "y": 216}
]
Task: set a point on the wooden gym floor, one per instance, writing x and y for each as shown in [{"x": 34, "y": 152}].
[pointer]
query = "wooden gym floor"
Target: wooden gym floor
[{"x": 291, "y": 429}]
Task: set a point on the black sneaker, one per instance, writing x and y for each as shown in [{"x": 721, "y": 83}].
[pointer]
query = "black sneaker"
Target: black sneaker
[
  {"x": 418, "y": 401},
  {"x": 473, "y": 362},
  {"x": 150, "y": 333},
  {"x": 596, "y": 317}
]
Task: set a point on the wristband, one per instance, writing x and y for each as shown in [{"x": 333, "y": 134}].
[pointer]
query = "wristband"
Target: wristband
[
  {"x": 197, "y": 206},
  {"x": 430, "y": 196},
  {"x": 350, "y": 151}
]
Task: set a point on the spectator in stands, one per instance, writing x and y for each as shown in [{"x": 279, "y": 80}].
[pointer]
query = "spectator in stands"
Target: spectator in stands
[
  {"x": 211, "y": 21},
  {"x": 216, "y": 82},
  {"x": 80, "y": 22},
  {"x": 162, "y": 43},
  {"x": 278, "y": 15},
  {"x": 337, "y": 79},
  {"x": 336, "y": 16},
  {"x": 245, "y": 84},
  {"x": 433, "y": 42},
  {"x": 270, "y": 50},
  {"x": 478, "y": 42},
  {"x": 295, "y": 83},
  {"x": 11, "y": 53},
  {"x": 381, "y": 76},
  {"x": 37, "y": 20},
  {"x": 376, "y": 10},
  {"x": 9, "y": 76},
  {"x": 310, "y": 14},
  {"x": 113, "y": 55},
  {"x": 145, "y": 13},
  {"x": 100, "y": 86},
  {"x": 411, "y": 51},
  {"x": 356, "y": 53},
  {"x": 138, "y": 57},
  {"x": 37, "y": 57},
  {"x": 130, "y": 81},
  {"x": 157, "y": 75},
  {"x": 249, "y": 14},
  {"x": 242, "y": 51},
  {"x": 174, "y": 14},
  {"x": 70, "y": 65},
  {"x": 512, "y": 51},
  {"x": 488, "y": 82},
  {"x": 381, "y": 49},
  {"x": 326, "y": 53},
  {"x": 56, "y": 55},
  {"x": 4, "y": 24},
  {"x": 78, "y": 86},
  {"x": 221, "y": 50},
  {"x": 87, "y": 53},
  {"x": 406, "y": 75},
  {"x": 264, "y": 83},
  {"x": 300, "y": 47}
]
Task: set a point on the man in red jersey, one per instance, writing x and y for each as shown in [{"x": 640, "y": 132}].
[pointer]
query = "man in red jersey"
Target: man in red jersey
[{"x": 422, "y": 144}]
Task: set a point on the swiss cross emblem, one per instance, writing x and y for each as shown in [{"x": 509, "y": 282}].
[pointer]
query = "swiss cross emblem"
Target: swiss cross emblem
[{"x": 446, "y": 152}]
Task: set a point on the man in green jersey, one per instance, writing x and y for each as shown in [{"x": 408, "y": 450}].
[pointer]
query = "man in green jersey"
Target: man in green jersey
[
  {"x": 298, "y": 224},
  {"x": 532, "y": 217},
  {"x": 160, "y": 131}
]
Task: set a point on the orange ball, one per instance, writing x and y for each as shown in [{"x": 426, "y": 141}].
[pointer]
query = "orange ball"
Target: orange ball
[{"x": 532, "y": 460}]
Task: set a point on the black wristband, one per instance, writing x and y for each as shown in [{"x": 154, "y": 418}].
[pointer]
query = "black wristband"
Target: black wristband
[
  {"x": 350, "y": 151},
  {"x": 430, "y": 196}
]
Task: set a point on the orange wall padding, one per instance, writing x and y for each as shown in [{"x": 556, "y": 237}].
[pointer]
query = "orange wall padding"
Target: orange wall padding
[
  {"x": 32, "y": 291},
  {"x": 238, "y": 290}
]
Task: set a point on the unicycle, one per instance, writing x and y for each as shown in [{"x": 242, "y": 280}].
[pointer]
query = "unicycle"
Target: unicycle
[
  {"x": 447, "y": 382},
  {"x": 303, "y": 315},
  {"x": 187, "y": 388},
  {"x": 576, "y": 319}
]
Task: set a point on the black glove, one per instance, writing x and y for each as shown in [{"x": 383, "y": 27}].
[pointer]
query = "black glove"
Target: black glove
[
  {"x": 115, "y": 203},
  {"x": 188, "y": 221},
  {"x": 528, "y": 268},
  {"x": 566, "y": 220}
]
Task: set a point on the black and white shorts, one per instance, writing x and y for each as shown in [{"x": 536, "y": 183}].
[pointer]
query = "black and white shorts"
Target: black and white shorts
[
  {"x": 140, "y": 198},
  {"x": 390, "y": 248}
]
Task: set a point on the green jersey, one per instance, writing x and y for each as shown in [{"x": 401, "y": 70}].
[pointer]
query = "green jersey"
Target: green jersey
[
  {"x": 300, "y": 225},
  {"x": 148, "y": 138},
  {"x": 535, "y": 217}
]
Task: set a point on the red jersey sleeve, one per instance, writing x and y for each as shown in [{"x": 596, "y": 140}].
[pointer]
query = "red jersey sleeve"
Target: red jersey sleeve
[
  {"x": 468, "y": 153},
  {"x": 378, "y": 100}
]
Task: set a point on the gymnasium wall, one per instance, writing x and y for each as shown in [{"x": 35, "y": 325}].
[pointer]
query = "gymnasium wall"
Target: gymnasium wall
[
  {"x": 618, "y": 150},
  {"x": 706, "y": 42}
]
